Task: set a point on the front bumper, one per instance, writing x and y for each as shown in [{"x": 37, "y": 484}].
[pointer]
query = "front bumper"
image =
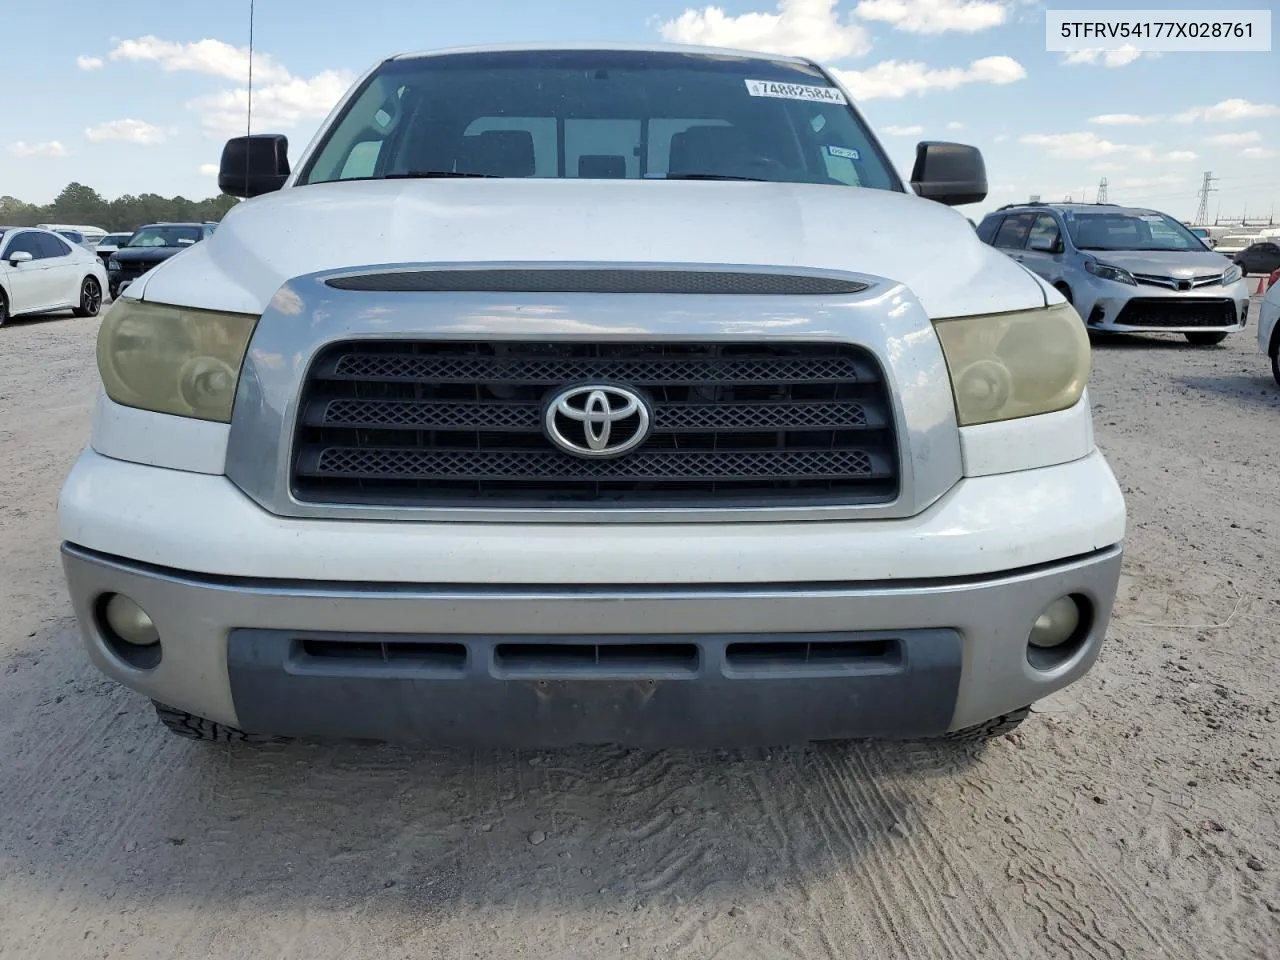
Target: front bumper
[
  {"x": 873, "y": 628},
  {"x": 1102, "y": 303},
  {"x": 712, "y": 666}
]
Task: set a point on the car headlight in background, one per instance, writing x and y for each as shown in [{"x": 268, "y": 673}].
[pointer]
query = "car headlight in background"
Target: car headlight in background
[
  {"x": 173, "y": 359},
  {"x": 1009, "y": 365},
  {"x": 113, "y": 264},
  {"x": 1107, "y": 272},
  {"x": 1232, "y": 274}
]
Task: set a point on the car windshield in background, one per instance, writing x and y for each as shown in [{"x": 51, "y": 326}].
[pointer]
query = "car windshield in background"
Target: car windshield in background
[
  {"x": 165, "y": 237},
  {"x": 114, "y": 239},
  {"x": 1131, "y": 231},
  {"x": 600, "y": 115}
]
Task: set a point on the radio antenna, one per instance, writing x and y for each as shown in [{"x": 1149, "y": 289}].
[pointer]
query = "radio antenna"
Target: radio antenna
[{"x": 248, "y": 122}]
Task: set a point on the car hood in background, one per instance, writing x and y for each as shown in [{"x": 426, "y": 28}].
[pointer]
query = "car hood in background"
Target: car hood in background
[
  {"x": 1165, "y": 263},
  {"x": 263, "y": 243},
  {"x": 146, "y": 254}
]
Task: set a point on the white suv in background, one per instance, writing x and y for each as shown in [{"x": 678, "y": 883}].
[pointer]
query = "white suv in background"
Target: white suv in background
[
  {"x": 579, "y": 394},
  {"x": 1126, "y": 270}
]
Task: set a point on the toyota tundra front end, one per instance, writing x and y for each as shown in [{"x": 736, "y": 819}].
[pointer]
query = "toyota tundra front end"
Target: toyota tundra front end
[{"x": 624, "y": 395}]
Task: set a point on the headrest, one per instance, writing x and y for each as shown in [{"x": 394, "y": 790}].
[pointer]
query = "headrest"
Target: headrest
[
  {"x": 498, "y": 153},
  {"x": 706, "y": 149},
  {"x": 602, "y": 167}
]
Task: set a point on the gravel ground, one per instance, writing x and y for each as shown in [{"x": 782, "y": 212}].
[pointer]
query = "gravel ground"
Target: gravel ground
[{"x": 1135, "y": 815}]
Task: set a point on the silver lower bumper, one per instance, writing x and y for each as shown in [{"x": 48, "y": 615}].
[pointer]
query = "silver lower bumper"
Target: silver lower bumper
[{"x": 233, "y": 652}]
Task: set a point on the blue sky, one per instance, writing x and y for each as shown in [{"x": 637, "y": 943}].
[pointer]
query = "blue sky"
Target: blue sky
[{"x": 138, "y": 97}]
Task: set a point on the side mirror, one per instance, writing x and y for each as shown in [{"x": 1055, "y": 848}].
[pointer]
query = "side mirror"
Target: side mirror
[
  {"x": 19, "y": 256},
  {"x": 254, "y": 165},
  {"x": 949, "y": 173},
  {"x": 1041, "y": 245}
]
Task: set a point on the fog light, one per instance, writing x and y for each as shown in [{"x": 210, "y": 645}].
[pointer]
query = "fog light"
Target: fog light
[
  {"x": 129, "y": 622},
  {"x": 1057, "y": 624}
]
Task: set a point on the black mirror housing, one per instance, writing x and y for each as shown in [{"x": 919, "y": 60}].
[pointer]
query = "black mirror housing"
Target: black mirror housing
[
  {"x": 254, "y": 165},
  {"x": 950, "y": 173}
]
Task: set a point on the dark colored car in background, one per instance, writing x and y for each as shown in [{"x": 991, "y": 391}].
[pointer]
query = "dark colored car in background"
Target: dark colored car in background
[
  {"x": 109, "y": 245},
  {"x": 1261, "y": 257},
  {"x": 152, "y": 244}
]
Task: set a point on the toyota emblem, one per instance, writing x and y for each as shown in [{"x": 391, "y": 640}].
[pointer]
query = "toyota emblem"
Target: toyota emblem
[{"x": 597, "y": 420}]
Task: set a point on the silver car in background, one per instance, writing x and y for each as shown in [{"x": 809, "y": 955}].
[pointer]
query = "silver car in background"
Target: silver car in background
[{"x": 1126, "y": 270}]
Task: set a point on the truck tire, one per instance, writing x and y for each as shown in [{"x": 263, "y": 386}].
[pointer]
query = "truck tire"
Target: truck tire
[
  {"x": 1205, "y": 339},
  {"x": 991, "y": 729},
  {"x": 191, "y": 727}
]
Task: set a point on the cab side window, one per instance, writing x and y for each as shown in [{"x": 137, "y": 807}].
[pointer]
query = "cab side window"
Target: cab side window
[
  {"x": 26, "y": 243},
  {"x": 1045, "y": 234},
  {"x": 1013, "y": 233}
]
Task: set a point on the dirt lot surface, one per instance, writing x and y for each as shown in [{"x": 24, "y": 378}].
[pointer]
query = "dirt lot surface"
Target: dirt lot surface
[{"x": 1135, "y": 815}]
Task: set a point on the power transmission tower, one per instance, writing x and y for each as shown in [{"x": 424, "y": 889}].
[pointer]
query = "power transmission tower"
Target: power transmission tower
[
  {"x": 1102, "y": 190},
  {"x": 1206, "y": 188}
]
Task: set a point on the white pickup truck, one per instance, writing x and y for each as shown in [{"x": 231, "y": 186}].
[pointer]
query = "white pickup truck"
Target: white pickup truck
[{"x": 568, "y": 395}]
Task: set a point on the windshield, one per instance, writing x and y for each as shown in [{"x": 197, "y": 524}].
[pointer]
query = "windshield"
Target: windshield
[
  {"x": 113, "y": 239},
  {"x": 1130, "y": 231},
  {"x": 165, "y": 237},
  {"x": 600, "y": 115}
]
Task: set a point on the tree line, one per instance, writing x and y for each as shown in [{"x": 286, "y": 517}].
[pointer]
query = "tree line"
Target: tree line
[{"x": 83, "y": 205}]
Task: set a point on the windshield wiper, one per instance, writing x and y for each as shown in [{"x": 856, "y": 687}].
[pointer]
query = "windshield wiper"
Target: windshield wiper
[
  {"x": 439, "y": 175},
  {"x": 712, "y": 176}
]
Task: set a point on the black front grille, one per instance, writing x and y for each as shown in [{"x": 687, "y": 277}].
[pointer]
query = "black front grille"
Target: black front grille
[
  {"x": 130, "y": 270},
  {"x": 1177, "y": 312},
  {"x": 461, "y": 423}
]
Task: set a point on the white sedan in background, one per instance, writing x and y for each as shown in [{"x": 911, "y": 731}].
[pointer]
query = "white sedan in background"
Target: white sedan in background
[{"x": 41, "y": 272}]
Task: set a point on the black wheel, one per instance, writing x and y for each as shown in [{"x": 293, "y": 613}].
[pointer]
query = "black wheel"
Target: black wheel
[
  {"x": 90, "y": 298},
  {"x": 4, "y": 308},
  {"x": 1063, "y": 289},
  {"x": 1275, "y": 364},
  {"x": 1205, "y": 339},
  {"x": 991, "y": 729},
  {"x": 191, "y": 727},
  {"x": 115, "y": 290}
]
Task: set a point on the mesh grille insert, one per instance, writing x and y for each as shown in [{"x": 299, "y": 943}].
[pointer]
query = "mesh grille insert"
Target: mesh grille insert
[{"x": 461, "y": 424}]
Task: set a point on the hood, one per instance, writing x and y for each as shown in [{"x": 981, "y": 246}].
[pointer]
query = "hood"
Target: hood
[
  {"x": 1164, "y": 263},
  {"x": 263, "y": 243},
  {"x": 146, "y": 254}
]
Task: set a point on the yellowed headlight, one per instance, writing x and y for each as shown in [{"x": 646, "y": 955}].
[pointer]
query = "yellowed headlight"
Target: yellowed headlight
[
  {"x": 173, "y": 359},
  {"x": 1009, "y": 365}
]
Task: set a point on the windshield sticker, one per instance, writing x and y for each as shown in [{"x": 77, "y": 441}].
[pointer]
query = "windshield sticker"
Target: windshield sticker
[
  {"x": 845, "y": 152},
  {"x": 818, "y": 122},
  {"x": 794, "y": 91}
]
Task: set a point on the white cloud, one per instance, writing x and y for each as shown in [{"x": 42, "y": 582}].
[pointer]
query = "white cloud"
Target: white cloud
[
  {"x": 126, "y": 131},
  {"x": 89, "y": 63},
  {"x": 1089, "y": 146},
  {"x": 1119, "y": 57},
  {"x": 955, "y": 125},
  {"x": 1124, "y": 120},
  {"x": 203, "y": 56},
  {"x": 1107, "y": 166},
  {"x": 1227, "y": 110},
  {"x": 209, "y": 169},
  {"x": 277, "y": 106},
  {"x": 809, "y": 28},
  {"x": 1000, "y": 137},
  {"x": 50, "y": 148},
  {"x": 1235, "y": 139},
  {"x": 280, "y": 100},
  {"x": 1259, "y": 153},
  {"x": 935, "y": 16},
  {"x": 895, "y": 131},
  {"x": 892, "y": 79}
]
